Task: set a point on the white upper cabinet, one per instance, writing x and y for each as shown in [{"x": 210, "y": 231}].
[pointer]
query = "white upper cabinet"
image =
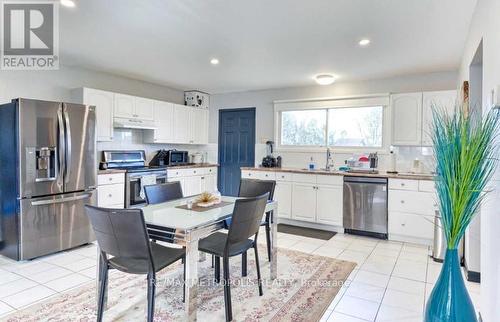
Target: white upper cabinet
[
  {"x": 132, "y": 107},
  {"x": 173, "y": 123},
  {"x": 144, "y": 108},
  {"x": 199, "y": 126},
  {"x": 163, "y": 113},
  {"x": 103, "y": 101},
  {"x": 407, "y": 119},
  {"x": 441, "y": 101},
  {"x": 124, "y": 106},
  {"x": 182, "y": 122}
]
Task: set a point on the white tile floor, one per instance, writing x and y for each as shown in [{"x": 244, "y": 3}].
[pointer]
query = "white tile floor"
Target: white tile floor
[{"x": 390, "y": 283}]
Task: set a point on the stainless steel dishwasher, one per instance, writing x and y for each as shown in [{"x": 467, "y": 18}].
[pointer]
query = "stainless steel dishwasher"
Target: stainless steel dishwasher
[{"x": 365, "y": 206}]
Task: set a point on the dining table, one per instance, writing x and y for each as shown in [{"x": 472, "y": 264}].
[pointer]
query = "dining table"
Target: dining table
[{"x": 175, "y": 223}]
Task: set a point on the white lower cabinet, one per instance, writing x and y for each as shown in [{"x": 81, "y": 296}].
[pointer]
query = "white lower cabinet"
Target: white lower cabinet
[
  {"x": 111, "y": 190},
  {"x": 194, "y": 180},
  {"x": 412, "y": 205},
  {"x": 303, "y": 202},
  {"x": 329, "y": 202},
  {"x": 411, "y": 225},
  {"x": 283, "y": 195}
]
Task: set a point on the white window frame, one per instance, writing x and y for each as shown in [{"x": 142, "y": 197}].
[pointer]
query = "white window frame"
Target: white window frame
[{"x": 332, "y": 103}]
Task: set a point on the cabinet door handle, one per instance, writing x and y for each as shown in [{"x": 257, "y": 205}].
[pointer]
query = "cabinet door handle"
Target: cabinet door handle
[
  {"x": 110, "y": 179},
  {"x": 402, "y": 184},
  {"x": 402, "y": 201},
  {"x": 110, "y": 195}
]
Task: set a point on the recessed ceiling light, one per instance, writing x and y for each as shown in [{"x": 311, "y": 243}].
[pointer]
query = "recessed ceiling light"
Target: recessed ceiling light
[
  {"x": 364, "y": 42},
  {"x": 68, "y": 3},
  {"x": 214, "y": 61},
  {"x": 324, "y": 79}
]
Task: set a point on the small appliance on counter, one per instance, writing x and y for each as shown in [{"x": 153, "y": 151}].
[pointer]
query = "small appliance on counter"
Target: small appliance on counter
[
  {"x": 169, "y": 158},
  {"x": 392, "y": 169},
  {"x": 197, "y": 157},
  {"x": 269, "y": 161}
]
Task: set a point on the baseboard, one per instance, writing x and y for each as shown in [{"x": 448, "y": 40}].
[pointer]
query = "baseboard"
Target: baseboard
[
  {"x": 299, "y": 223},
  {"x": 413, "y": 240},
  {"x": 472, "y": 276}
]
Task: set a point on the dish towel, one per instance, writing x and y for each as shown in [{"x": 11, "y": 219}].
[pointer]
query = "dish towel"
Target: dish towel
[{"x": 146, "y": 181}]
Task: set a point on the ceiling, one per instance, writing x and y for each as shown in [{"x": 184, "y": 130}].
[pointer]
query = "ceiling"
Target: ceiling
[{"x": 263, "y": 43}]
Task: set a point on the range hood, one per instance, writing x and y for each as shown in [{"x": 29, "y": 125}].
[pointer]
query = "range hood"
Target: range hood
[{"x": 127, "y": 123}]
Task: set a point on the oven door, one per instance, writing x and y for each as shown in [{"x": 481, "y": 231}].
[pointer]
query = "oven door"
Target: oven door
[{"x": 133, "y": 188}]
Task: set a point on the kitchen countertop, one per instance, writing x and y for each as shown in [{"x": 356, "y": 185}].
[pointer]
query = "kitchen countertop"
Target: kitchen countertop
[
  {"x": 189, "y": 166},
  {"x": 111, "y": 171},
  {"x": 342, "y": 173},
  {"x": 195, "y": 165}
]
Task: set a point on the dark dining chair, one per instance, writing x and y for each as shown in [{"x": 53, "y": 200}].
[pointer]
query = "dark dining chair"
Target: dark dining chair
[
  {"x": 245, "y": 223},
  {"x": 122, "y": 235},
  {"x": 253, "y": 188},
  {"x": 163, "y": 192}
]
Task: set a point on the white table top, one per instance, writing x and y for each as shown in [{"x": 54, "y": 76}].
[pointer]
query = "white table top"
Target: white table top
[{"x": 167, "y": 215}]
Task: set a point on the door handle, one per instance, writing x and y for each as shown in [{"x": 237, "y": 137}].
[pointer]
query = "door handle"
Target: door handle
[
  {"x": 61, "y": 146},
  {"x": 68, "y": 146},
  {"x": 61, "y": 200}
]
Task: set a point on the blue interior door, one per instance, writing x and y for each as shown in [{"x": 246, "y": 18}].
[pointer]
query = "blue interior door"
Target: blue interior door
[{"x": 236, "y": 147}]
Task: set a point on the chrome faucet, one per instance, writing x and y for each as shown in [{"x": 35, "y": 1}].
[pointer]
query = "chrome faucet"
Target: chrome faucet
[{"x": 329, "y": 161}]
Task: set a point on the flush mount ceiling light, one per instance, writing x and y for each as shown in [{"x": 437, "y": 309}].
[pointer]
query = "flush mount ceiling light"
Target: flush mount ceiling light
[
  {"x": 68, "y": 3},
  {"x": 364, "y": 42},
  {"x": 324, "y": 79},
  {"x": 214, "y": 61}
]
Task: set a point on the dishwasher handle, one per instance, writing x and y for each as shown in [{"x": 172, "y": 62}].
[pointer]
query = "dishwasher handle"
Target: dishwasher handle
[{"x": 356, "y": 179}]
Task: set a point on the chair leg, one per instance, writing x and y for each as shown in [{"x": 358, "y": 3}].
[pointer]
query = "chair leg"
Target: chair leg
[
  {"x": 102, "y": 291},
  {"x": 213, "y": 261},
  {"x": 184, "y": 283},
  {"x": 244, "y": 271},
  {"x": 227, "y": 290},
  {"x": 151, "y": 296},
  {"x": 259, "y": 280},
  {"x": 268, "y": 240},
  {"x": 217, "y": 269}
]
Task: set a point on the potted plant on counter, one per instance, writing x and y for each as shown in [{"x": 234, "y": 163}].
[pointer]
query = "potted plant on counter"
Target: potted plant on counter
[{"x": 465, "y": 152}]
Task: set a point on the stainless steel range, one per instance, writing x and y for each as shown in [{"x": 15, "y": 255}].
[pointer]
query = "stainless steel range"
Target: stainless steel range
[{"x": 137, "y": 174}]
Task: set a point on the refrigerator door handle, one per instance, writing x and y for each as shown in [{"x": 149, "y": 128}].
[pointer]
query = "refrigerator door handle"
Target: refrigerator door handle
[
  {"x": 68, "y": 145},
  {"x": 61, "y": 200},
  {"x": 61, "y": 147}
]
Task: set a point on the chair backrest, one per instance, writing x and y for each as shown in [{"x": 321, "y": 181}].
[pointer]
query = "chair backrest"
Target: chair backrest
[
  {"x": 246, "y": 219},
  {"x": 120, "y": 232},
  {"x": 163, "y": 192},
  {"x": 254, "y": 188}
]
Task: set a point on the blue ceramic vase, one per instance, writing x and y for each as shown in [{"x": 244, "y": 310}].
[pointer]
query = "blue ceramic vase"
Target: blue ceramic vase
[{"x": 450, "y": 300}]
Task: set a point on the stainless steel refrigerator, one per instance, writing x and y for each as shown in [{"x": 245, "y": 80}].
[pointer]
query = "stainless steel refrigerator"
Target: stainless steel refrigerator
[{"x": 47, "y": 175}]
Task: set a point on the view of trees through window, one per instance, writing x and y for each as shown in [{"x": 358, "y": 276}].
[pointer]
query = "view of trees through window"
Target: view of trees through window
[
  {"x": 347, "y": 127},
  {"x": 303, "y": 127}
]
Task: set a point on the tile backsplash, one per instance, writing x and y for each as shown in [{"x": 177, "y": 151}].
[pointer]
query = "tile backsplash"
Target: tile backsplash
[
  {"x": 404, "y": 158},
  {"x": 132, "y": 139}
]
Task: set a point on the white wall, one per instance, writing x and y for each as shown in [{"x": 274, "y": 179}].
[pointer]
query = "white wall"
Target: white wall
[
  {"x": 486, "y": 26},
  {"x": 57, "y": 85},
  {"x": 263, "y": 102}
]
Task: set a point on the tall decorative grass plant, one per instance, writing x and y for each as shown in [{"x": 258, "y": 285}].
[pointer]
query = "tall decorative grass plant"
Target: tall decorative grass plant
[{"x": 466, "y": 155}]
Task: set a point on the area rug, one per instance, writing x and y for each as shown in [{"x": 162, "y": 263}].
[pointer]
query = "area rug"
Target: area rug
[
  {"x": 306, "y": 232},
  {"x": 304, "y": 289}
]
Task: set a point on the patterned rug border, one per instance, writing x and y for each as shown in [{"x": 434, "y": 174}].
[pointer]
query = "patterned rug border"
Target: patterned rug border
[{"x": 290, "y": 311}]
